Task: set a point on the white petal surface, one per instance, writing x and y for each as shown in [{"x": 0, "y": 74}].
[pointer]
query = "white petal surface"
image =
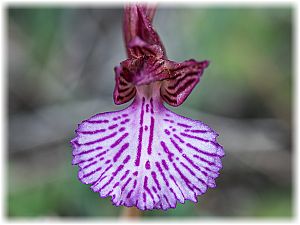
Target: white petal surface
[{"x": 147, "y": 156}]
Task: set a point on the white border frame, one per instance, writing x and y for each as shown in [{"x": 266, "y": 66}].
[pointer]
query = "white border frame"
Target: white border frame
[{"x": 295, "y": 110}]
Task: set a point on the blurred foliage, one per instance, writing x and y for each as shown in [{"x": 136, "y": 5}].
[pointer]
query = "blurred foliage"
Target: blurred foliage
[
  {"x": 40, "y": 24},
  {"x": 250, "y": 76},
  {"x": 250, "y": 54}
]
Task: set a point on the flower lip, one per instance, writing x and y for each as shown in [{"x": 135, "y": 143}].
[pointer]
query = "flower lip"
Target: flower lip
[{"x": 147, "y": 156}]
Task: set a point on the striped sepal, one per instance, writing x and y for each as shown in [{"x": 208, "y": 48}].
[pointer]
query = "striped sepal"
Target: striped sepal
[
  {"x": 185, "y": 76},
  {"x": 138, "y": 25},
  {"x": 147, "y": 156},
  {"x": 124, "y": 90}
]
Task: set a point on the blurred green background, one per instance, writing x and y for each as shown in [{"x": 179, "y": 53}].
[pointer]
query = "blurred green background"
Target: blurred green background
[{"x": 60, "y": 72}]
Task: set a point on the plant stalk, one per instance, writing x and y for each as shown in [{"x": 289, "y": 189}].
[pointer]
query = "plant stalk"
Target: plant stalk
[{"x": 131, "y": 212}]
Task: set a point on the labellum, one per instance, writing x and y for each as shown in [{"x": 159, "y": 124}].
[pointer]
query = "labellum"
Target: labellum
[{"x": 145, "y": 155}]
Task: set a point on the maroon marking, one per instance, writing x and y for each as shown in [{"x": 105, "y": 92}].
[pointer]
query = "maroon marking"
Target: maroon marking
[
  {"x": 147, "y": 108},
  {"x": 168, "y": 99},
  {"x": 146, "y": 127},
  {"x": 188, "y": 81},
  {"x": 189, "y": 84},
  {"x": 151, "y": 136},
  {"x": 179, "y": 67},
  {"x": 124, "y": 115},
  {"x": 107, "y": 161},
  {"x": 123, "y": 95},
  {"x": 157, "y": 67},
  {"x": 119, "y": 140}
]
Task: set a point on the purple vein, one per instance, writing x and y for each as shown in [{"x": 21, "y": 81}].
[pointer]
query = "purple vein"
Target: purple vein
[
  {"x": 200, "y": 151},
  {"x": 154, "y": 176},
  {"x": 192, "y": 173},
  {"x": 166, "y": 150},
  {"x": 96, "y": 121},
  {"x": 91, "y": 132},
  {"x": 89, "y": 151},
  {"x": 151, "y": 135},
  {"x": 119, "y": 153},
  {"x": 101, "y": 139},
  {"x": 138, "y": 155},
  {"x": 176, "y": 145},
  {"x": 162, "y": 173},
  {"x": 194, "y": 137},
  {"x": 117, "y": 142}
]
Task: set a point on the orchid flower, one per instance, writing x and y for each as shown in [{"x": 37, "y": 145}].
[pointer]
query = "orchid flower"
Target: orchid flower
[{"x": 145, "y": 155}]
